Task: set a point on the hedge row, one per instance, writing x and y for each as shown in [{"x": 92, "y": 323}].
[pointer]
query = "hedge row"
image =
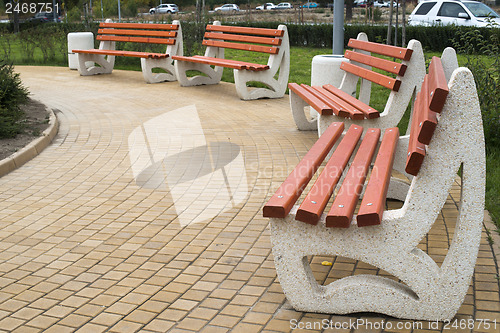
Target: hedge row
[{"x": 320, "y": 35}]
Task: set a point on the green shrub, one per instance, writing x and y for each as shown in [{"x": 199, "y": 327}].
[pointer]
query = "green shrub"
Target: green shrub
[
  {"x": 483, "y": 59},
  {"x": 12, "y": 95}
]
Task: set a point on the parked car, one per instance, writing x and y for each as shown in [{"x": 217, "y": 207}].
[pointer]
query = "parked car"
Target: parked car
[
  {"x": 444, "y": 12},
  {"x": 284, "y": 5},
  {"x": 266, "y": 6},
  {"x": 44, "y": 17},
  {"x": 310, "y": 5},
  {"x": 164, "y": 9},
  {"x": 228, "y": 8}
]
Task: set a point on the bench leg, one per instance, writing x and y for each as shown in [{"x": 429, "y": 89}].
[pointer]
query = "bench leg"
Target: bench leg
[
  {"x": 106, "y": 64},
  {"x": 275, "y": 88},
  {"x": 166, "y": 64},
  {"x": 297, "y": 106},
  {"x": 212, "y": 75}
]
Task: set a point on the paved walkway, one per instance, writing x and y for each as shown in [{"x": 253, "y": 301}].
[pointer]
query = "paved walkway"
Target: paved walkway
[{"x": 145, "y": 215}]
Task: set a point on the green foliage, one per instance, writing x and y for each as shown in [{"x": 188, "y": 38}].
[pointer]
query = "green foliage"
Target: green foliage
[
  {"x": 486, "y": 72},
  {"x": 12, "y": 95},
  {"x": 493, "y": 184}
]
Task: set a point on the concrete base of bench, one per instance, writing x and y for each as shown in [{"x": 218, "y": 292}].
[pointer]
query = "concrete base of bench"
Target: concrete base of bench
[
  {"x": 87, "y": 64},
  {"x": 166, "y": 64},
  {"x": 427, "y": 291}
]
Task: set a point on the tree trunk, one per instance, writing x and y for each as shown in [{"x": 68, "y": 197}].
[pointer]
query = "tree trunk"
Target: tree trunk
[
  {"x": 348, "y": 10},
  {"x": 389, "y": 27}
]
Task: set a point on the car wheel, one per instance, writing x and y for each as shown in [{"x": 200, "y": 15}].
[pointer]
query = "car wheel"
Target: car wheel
[
  {"x": 152, "y": 12},
  {"x": 169, "y": 12}
]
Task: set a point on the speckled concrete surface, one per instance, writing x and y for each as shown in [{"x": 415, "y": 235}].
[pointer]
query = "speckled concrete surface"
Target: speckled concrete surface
[{"x": 90, "y": 240}]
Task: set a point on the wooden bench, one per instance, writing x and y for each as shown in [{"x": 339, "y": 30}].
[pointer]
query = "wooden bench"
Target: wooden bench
[
  {"x": 446, "y": 135},
  {"x": 273, "y": 42},
  {"x": 109, "y": 33},
  {"x": 403, "y": 77}
]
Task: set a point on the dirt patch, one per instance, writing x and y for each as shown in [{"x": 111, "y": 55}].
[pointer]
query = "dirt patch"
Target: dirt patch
[{"x": 35, "y": 121}]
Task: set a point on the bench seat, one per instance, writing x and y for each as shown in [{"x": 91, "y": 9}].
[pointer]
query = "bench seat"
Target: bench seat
[
  {"x": 223, "y": 62},
  {"x": 147, "y": 55}
]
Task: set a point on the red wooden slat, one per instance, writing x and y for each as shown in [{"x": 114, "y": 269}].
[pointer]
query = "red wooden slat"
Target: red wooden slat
[
  {"x": 136, "y": 39},
  {"x": 149, "y": 33},
  {"x": 387, "y": 50},
  {"x": 245, "y": 30},
  {"x": 339, "y": 109},
  {"x": 438, "y": 86},
  {"x": 428, "y": 118},
  {"x": 139, "y": 26},
  {"x": 416, "y": 149},
  {"x": 386, "y": 65},
  {"x": 247, "y": 65},
  {"x": 369, "y": 112},
  {"x": 315, "y": 202},
  {"x": 243, "y": 47},
  {"x": 345, "y": 202},
  {"x": 373, "y": 203},
  {"x": 287, "y": 194},
  {"x": 380, "y": 79},
  {"x": 242, "y": 38},
  {"x": 318, "y": 105},
  {"x": 124, "y": 53}
]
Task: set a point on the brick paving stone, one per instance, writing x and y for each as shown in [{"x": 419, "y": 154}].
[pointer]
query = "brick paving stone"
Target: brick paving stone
[{"x": 94, "y": 239}]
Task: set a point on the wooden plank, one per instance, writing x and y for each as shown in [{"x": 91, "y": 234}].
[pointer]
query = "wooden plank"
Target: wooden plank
[
  {"x": 383, "y": 64},
  {"x": 247, "y": 65},
  {"x": 382, "y": 49},
  {"x": 222, "y": 62},
  {"x": 416, "y": 149},
  {"x": 380, "y": 79},
  {"x": 287, "y": 194},
  {"x": 244, "y": 47},
  {"x": 319, "y": 105},
  {"x": 373, "y": 203},
  {"x": 242, "y": 38},
  {"x": 345, "y": 202},
  {"x": 351, "y": 111},
  {"x": 368, "y": 111},
  {"x": 428, "y": 118},
  {"x": 124, "y": 53},
  {"x": 152, "y": 26},
  {"x": 438, "y": 86},
  {"x": 337, "y": 110},
  {"x": 149, "y": 33},
  {"x": 315, "y": 202},
  {"x": 136, "y": 39},
  {"x": 246, "y": 30}
]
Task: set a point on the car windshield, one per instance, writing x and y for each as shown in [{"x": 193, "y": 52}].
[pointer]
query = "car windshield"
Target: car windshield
[{"x": 479, "y": 9}]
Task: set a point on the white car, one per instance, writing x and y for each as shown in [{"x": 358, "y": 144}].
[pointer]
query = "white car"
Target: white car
[
  {"x": 284, "y": 5},
  {"x": 266, "y": 6},
  {"x": 164, "y": 9},
  {"x": 227, "y": 8},
  {"x": 444, "y": 12}
]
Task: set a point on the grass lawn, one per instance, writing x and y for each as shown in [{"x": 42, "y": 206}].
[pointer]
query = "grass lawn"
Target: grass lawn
[{"x": 300, "y": 72}]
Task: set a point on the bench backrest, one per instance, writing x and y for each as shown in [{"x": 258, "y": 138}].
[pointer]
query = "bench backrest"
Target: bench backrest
[
  {"x": 429, "y": 102},
  {"x": 358, "y": 59},
  {"x": 238, "y": 38},
  {"x": 138, "y": 32}
]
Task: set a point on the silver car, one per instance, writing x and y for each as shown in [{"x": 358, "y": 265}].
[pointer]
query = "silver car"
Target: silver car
[
  {"x": 164, "y": 9},
  {"x": 228, "y": 8},
  {"x": 444, "y": 12}
]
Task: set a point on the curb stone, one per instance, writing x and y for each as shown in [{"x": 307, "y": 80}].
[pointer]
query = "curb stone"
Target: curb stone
[{"x": 34, "y": 148}]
